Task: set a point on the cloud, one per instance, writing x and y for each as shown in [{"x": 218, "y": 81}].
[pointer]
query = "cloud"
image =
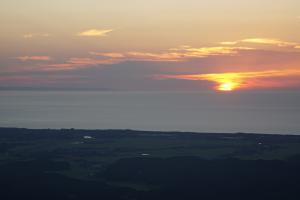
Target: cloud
[
  {"x": 76, "y": 63},
  {"x": 140, "y": 56},
  {"x": 58, "y": 67},
  {"x": 263, "y": 41},
  {"x": 95, "y": 33},
  {"x": 122, "y": 72},
  {"x": 29, "y": 35},
  {"x": 229, "y": 43},
  {"x": 32, "y": 35},
  {"x": 33, "y": 58},
  {"x": 269, "y": 41},
  {"x": 89, "y": 61},
  {"x": 243, "y": 80},
  {"x": 110, "y": 55},
  {"x": 33, "y": 81},
  {"x": 191, "y": 52},
  {"x": 179, "y": 54},
  {"x": 146, "y": 56}
]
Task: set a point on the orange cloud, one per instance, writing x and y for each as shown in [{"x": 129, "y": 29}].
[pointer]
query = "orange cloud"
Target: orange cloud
[
  {"x": 33, "y": 58},
  {"x": 141, "y": 56},
  {"x": 209, "y": 51},
  {"x": 95, "y": 33},
  {"x": 110, "y": 55},
  {"x": 174, "y": 54},
  {"x": 229, "y": 43},
  {"x": 243, "y": 80},
  {"x": 264, "y": 41},
  {"x": 269, "y": 41}
]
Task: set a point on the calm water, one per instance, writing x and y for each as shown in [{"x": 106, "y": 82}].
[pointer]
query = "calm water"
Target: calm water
[{"x": 203, "y": 112}]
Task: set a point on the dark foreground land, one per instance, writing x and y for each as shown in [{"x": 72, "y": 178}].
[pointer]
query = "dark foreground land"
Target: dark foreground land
[{"x": 124, "y": 164}]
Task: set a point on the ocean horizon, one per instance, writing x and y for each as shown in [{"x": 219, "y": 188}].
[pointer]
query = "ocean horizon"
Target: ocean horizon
[{"x": 251, "y": 112}]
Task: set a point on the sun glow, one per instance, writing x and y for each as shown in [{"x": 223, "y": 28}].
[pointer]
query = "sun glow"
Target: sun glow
[
  {"x": 229, "y": 86},
  {"x": 226, "y": 82},
  {"x": 244, "y": 80}
]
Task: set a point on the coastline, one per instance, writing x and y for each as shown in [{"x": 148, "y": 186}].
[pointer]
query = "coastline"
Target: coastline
[{"x": 141, "y": 132}]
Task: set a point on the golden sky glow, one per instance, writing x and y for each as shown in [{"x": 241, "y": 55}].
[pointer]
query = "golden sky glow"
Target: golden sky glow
[
  {"x": 145, "y": 45},
  {"x": 242, "y": 80}
]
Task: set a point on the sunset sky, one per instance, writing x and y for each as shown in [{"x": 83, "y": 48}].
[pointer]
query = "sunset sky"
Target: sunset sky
[{"x": 146, "y": 45}]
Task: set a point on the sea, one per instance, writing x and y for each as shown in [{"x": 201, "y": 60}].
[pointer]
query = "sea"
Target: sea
[{"x": 215, "y": 112}]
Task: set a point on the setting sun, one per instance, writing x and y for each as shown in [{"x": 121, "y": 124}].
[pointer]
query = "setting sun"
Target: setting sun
[{"x": 226, "y": 87}]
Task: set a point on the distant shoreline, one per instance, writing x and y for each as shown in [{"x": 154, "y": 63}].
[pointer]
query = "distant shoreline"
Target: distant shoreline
[{"x": 141, "y": 132}]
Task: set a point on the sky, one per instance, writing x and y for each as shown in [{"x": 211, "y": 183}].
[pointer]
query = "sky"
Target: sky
[{"x": 181, "y": 45}]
